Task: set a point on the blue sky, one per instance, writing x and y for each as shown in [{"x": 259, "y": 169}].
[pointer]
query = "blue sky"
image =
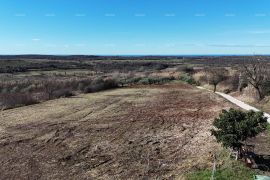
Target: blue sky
[{"x": 112, "y": 27}]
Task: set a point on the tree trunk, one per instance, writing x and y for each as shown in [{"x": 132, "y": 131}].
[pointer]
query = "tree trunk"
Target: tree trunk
[
  {"x": 236, "y": 152},
  {"x": 215, "y": 87},
  {"x": 259, "y": 93}
]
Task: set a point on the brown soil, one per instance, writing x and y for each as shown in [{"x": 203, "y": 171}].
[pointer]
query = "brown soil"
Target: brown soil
[{"x": 134, "y": 133}]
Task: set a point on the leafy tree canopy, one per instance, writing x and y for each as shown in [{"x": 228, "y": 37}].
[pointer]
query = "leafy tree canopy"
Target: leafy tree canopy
[{"x": 233, "y": 127}]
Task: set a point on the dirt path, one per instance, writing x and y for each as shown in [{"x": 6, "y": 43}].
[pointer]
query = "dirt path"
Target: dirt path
[
  {"x": 136, "y": 133},
  {"x": 239, "y": 103}
]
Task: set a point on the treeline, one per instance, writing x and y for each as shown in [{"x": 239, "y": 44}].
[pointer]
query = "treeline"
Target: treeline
[
  {"x": 251, "y": 76},
  {"x": 8, "y": 66},
  {"x": 30, "y": 91},
  {"x": 13, "y": 66},
  {"x": 85, "y": 57},
  {"x": 24, "y": 63}
]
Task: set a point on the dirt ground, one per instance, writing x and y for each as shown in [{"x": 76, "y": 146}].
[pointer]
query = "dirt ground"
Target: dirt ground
[{"x": 154, "y": 132}]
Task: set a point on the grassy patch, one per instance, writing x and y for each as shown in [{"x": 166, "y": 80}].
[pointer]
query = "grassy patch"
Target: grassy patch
[
  {"x": 237, "y": 171},
  {"x": 268, "y": 129},
  {"x": 227, "y": 169}
]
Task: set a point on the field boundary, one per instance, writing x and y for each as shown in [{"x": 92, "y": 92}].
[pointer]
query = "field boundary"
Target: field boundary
[{"x": 237, "y": 102}]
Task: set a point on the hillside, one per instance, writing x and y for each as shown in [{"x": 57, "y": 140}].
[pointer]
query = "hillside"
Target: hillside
[{"x": 145, "y": 131}]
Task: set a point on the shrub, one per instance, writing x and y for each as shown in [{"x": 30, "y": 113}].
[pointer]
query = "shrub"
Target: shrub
[
  {"x": 155, "y": 80},
  {"x": 110, "y": 84},
  {"x": 146, "y": 81},
  {"x": 100, "y": 84},
  {"x": 227, "y": 91},
  {"x": 160, "y": 66},
  {"x": 83, "y": 85},
  {"x": 186, "y": 69},
  {"x": 62, "y": 93},
  {"x": 11, "y": 100},
  {"x": 133, "y": 80},
  {"x": 233, "y": 127},
  {"x": 187, "y": 78}
]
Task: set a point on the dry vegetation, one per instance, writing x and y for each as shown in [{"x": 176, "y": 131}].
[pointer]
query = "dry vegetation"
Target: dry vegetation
[
  {"x": 25, "y": 82},
  {"x": 130, "y": 133},
  {"x": 151, "y": 126}
]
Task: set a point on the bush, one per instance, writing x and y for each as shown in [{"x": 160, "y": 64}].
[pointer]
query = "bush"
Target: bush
[
  {"x": 11, "y": 100},
  {"x": 100, "y": 84},
  {"x": 160, "y": 66},
  {"x": 62, "y": 93},
  {"x": 146, "y": 81},
  {"x": 133, "y": 80},
  {"x": 163, "y": 80},
  {"x": 155, "y": 80},
  {"x": 227, "y": 91},
  {"x": 233, "y": 127},
  {"x": 83, "y": 85},
  {"x": 187, "y": 78},
  {"x": 187, "y": 69}
]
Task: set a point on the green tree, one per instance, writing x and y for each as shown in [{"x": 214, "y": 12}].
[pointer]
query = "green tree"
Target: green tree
[{"x": 234, "y": 127}]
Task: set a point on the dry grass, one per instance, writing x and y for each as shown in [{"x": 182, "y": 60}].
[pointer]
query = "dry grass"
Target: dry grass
[{"x": 133, "y": 133}]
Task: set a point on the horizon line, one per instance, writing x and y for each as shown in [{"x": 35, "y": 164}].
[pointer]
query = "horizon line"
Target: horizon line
[{"x": 133, "y": 55}]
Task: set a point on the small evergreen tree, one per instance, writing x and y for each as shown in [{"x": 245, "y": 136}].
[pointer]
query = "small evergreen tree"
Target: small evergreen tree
[{"x": 234, "y": 127}]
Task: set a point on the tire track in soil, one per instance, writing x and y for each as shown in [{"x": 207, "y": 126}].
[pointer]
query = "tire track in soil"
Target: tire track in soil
[{"x": 149, "y": 141}]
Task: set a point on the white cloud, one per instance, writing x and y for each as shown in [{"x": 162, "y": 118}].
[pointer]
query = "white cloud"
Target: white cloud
[{"x": 35, "y": 39}]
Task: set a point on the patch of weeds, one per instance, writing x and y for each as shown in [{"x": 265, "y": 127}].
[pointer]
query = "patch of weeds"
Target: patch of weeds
[
  {"x": 268, "y": 129},
  {"x": 227, "y": 169},
  {"x": 201, "y": 174}
]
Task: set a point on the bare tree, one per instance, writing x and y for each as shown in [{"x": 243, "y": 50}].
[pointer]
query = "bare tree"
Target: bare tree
[
  {"x": 257, "y": 74},
  {"x": 216, "y": 75}
]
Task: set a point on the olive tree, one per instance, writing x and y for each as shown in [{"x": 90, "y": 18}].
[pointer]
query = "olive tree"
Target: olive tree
[
  {"x": 216, "y": 75},
  {"x": 256, "y": 73},
  {"x": 232, "y": 128}
]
